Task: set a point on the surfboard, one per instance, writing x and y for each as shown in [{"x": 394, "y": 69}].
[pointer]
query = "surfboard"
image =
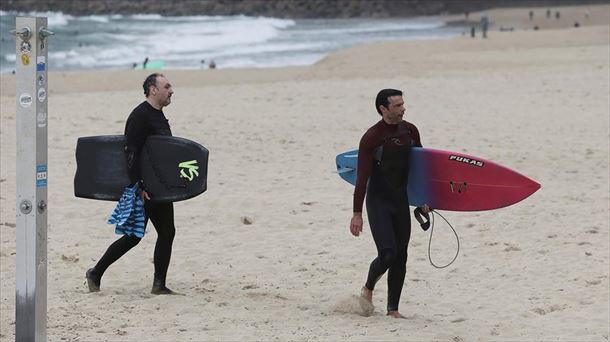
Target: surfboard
[
  {"x": 173, "y": 168},
  {"x": 151, "y": 65},
  {"x": 455, "y": 181}
]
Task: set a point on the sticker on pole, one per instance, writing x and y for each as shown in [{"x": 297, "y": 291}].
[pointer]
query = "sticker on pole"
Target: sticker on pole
[
  {"x": 42, "y": 94},
  {"x": 40, "y": 63},
  {"x": 25, "y": 47},
  {"x": 25, "y": 100},
  {"x": 41, "y": 176},
  {"x": 25, "y": 59},
  {"x": 41, "y": 119}
]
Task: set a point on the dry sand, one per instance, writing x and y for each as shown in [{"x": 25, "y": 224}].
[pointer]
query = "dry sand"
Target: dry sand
[{"x": 539, "y": 270}]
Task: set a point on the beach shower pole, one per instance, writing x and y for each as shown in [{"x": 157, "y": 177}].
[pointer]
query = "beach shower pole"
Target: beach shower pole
[{"x": 31, "y": 166}]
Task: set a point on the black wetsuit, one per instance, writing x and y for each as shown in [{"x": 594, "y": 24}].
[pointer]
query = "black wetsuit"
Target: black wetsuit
[
  {"x": 383, "y": 172},
  {"x": 143, "y": 121}
]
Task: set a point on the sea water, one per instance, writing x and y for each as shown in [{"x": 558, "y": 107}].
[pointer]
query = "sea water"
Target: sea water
[{"x": 191, "y": 42}]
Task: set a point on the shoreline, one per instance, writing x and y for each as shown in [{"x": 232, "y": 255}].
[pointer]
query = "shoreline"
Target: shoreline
[
  {"x": 501, "y": 19},
  {"x": 76, "y": 81}
]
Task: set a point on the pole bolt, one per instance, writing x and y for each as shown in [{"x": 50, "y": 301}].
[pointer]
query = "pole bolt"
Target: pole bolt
[
  {"x": 41, "y": 206},
  {"x": 25, "y": 207}
]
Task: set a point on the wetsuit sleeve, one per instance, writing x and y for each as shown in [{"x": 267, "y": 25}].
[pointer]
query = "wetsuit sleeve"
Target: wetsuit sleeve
[
  {"x": 135, "y": 134},
  {"x": 416, "y": 137},
  {"x": 365, "y": 167}
]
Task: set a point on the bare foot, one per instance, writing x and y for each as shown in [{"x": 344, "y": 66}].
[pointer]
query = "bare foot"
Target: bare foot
[
  {"x": 366, "y": 301},
  {"x": 395, "y": 314},
  {"x": 366, "y": 293}
]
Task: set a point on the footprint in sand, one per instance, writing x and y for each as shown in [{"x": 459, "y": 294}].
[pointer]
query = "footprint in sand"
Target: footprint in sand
[
  {"x": 549, "y": 309},
  {"x": 355, "y": 305}
]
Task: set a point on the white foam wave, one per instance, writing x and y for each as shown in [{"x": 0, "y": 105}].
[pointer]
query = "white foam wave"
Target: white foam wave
[
  {"x": 184, "y": 38},
  {"x": 70, "y": 54},
  {"x": 387, "y": 27},
  {"x": 96, "y": 18},
  {"x": 145, "y": 16},
  {"x": 424, "y": 25},
  {"x": 54, "y": 19},
  {"x": 118, "y": 41}
]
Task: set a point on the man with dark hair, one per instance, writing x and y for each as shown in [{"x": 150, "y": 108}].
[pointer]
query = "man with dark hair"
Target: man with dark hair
[
  {"x": 151, "y": 80},
  {"x": 146, "y": 119},
  {"x": 383, "y": 171}
]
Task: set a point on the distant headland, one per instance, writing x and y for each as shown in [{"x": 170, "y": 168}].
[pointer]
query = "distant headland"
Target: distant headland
[{"x": 279, "y": 8}]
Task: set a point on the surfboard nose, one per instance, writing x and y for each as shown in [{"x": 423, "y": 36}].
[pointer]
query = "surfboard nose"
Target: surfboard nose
[{"x": 532, "y": 185}]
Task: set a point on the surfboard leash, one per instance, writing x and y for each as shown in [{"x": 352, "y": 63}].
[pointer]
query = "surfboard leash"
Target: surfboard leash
[{"x": 429, "y": 223}]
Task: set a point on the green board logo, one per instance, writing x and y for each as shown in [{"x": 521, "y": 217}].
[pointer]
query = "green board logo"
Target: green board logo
[{"x": 191, "y": 167}]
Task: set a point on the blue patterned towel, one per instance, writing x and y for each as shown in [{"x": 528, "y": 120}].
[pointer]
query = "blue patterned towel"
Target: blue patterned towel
[{"x": 129, "y": 215}]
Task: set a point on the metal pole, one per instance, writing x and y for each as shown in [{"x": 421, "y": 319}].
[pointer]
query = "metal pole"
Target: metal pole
[{"x": 32, "y": 118}]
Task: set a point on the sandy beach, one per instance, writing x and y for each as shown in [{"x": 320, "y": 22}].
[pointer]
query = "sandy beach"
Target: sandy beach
[{"x": 534, "y": 101}]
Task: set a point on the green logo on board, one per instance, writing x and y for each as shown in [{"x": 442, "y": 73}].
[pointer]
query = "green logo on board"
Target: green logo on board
[{"x": 191, "y": 167}]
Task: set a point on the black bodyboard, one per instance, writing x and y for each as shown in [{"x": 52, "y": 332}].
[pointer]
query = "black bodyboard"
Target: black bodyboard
[{"x": 173, "y": 169}]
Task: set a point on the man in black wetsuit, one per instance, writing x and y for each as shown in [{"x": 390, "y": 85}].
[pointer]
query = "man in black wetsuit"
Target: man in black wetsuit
[
  {"x": 146, "y": 119},
  {"x": 383, "y": 170}
]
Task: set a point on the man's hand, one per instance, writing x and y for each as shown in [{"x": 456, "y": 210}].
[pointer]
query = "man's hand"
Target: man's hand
[
  {"x": 425, "y": 209},
  {"x": 356, "y": 224},
  {"x": 144, "y": 196}
]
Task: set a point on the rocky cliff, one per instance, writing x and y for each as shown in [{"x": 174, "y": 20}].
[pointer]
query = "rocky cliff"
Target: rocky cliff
[{"x": 277, "y": 8}]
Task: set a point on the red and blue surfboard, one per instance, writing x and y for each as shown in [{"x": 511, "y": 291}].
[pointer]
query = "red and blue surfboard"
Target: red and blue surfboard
[{"x": 455, "y": 181}]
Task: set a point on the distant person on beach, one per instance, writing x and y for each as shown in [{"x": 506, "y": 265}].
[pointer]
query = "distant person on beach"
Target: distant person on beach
[
  {"x": 557, "y": 15},
  {"x": 531, "y": 15},
  {"x": 212, "y": 64},
  {"x": 144, "y": 63},
  {"x": 484, "y": 24},
  {"x": 146, "y": 119},
  {"x": 548, "y": 13},
  {"x": 383, "y": 168}
]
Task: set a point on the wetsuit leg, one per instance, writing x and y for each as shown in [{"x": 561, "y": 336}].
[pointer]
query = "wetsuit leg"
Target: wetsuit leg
[
  {"x": 379, "y": 213},
  {"x": 162, "y": 217},
  {"x": 116, "y": 250},
  {"x": 396, "y": 274}
]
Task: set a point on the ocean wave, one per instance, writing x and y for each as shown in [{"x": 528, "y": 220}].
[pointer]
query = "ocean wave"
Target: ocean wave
[
  {"x": 189, "y": 38},
  {"x": 54, "y": 19},
  {"x": 145, "y": 16},
  {"x": 118, "y": 41},
  {"x": 97, "y": 18},
  {"x": 392, "y": 27}
]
